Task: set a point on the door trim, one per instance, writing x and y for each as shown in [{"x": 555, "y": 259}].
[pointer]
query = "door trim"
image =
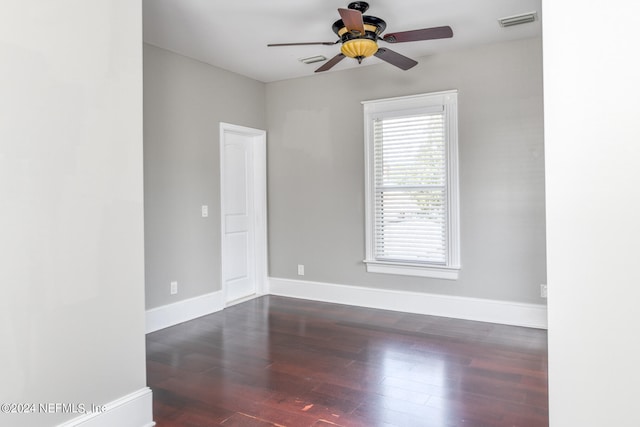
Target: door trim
[{"x": 259, "y": 147}]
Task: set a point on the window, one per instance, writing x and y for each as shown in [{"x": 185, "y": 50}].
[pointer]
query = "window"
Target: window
[{"x": 412, "y": 185}]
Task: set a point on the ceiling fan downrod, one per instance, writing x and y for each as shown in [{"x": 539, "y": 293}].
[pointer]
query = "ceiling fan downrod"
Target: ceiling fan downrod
[{"x": 360, "y": 6}]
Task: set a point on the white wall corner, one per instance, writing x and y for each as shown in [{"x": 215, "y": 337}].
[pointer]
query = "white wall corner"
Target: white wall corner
[
  {"x": 183, "y": 311},
  {"x": 483, "y": 310},
  {"x": 132, "y": 410}
]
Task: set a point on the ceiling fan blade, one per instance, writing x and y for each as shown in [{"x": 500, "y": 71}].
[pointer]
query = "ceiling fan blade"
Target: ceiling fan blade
[
  {"x": 352, "y": 19},
  {"x": 330, "y": 63},
  {"x": 394, "y": 58},
  {"x": 302, "y": 44},
  {"x": 417, "y": 35}
]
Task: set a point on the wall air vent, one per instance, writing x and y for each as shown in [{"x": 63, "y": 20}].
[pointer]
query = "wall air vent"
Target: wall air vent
[
  {"x": 523, "y": 18},
  {"x": 312, "y": 59}
]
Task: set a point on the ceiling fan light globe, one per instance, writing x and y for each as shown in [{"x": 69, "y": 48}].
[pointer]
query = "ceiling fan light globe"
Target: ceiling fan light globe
[{"x": 359, "y": 48}]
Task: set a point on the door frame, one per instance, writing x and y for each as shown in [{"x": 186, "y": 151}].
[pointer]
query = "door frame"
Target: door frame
[{"x": 259, "y": 151}]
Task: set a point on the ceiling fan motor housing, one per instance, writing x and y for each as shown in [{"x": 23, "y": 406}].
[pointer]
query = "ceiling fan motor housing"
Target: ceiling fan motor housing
[{"x": 357, "y": 45}]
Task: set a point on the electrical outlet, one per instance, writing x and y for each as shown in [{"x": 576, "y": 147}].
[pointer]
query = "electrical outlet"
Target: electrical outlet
[
  {"x": 205, "y": 211},
  {"x": 174, "y": 288},
  {"x": 300, "y": 269},
  {"x": 543, "y": 291}
]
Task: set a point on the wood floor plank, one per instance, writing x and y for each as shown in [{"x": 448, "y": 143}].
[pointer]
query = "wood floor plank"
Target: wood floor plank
[{"x": 276, "y": 361}]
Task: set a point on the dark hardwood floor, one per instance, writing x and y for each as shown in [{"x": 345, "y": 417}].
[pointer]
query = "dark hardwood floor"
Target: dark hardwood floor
[{"x": 277, "y": 361}]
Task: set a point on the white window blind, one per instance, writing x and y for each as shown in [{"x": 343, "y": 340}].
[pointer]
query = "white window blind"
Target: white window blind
[
  {"x": 410, "y": 188},
  {"x": 412, "y": 218}
]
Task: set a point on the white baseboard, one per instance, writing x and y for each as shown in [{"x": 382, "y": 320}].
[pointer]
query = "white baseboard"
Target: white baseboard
[
  {"x": 132, "y": 410},
  {"x": 182, "y": 311},
  {"x": 483, "y": 310}
]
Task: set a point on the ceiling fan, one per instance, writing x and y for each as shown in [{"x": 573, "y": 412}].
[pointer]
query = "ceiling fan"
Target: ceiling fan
[{"x": 359, "y": 35}]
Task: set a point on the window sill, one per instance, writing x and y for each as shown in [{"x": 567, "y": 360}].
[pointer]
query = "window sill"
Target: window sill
[{"x": 434, "y": 272}]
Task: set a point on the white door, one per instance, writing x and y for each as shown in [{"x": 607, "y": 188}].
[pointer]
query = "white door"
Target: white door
[{"x": 243, "y": 216}]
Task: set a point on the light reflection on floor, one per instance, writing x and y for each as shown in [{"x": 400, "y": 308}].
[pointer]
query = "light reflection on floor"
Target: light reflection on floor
[{"x": 410, "y": 383}]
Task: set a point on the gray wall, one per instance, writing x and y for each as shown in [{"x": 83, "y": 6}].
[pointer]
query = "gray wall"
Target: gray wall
[
  {"x": 71, "y": 205},
  {"x": 184, "y": 103},
  {"x": 316, "y": 176}
]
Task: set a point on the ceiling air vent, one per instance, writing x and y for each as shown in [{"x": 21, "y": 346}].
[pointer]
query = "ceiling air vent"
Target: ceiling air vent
[
  {"x": 524, "y": 18},
  {"x": 312, "y": 59}
]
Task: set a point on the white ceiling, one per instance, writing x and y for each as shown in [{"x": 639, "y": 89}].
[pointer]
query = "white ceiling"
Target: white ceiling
[{"x": 233, "y": 34}]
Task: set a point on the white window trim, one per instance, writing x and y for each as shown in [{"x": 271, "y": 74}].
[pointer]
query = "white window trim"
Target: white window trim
[{"x": 448, "y": 100}]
